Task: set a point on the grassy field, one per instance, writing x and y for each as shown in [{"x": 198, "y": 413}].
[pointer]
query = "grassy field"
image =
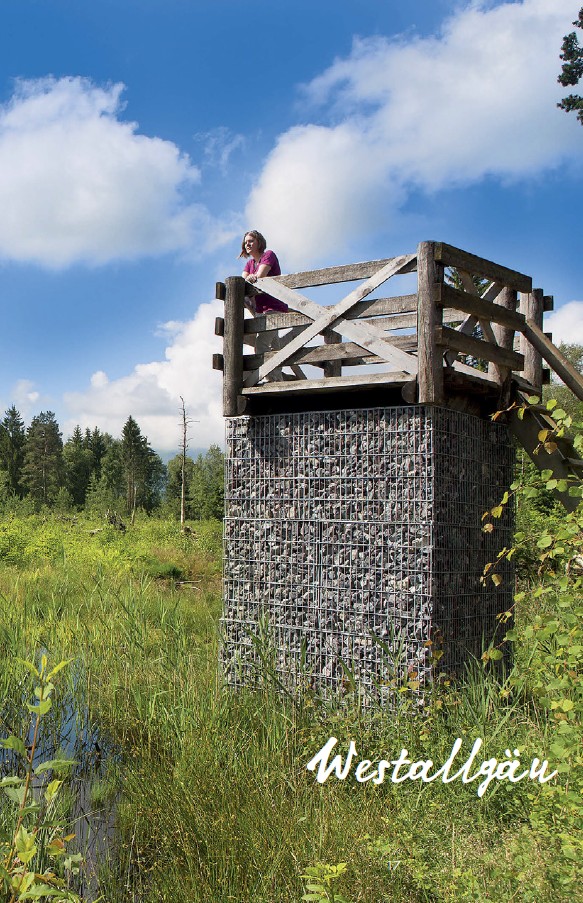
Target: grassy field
[{"x": 210, "y": 790}]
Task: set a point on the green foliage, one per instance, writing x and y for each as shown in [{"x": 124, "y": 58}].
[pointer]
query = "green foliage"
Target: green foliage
[
  {"x": 572, "y": 69},
  {"x": 43, "y": 468},
  {"x": 319, "y": 879},
  {"x": 207, "y": 485},
  {"x": 34, "y": 856},
  {"x": 549, "y": 638}
]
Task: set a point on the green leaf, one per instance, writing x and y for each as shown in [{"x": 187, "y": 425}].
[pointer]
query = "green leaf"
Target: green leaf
[
  {"x": 59, "y": 667},
  {"x": 54, "y": 765},
  {"x": 25, "y": 845},
  {"x": 52, "y": 790},
  {"x": 14, "y": 743},
  {"x": 41, "y": 709},
  {"x": 30, "y": 667}
]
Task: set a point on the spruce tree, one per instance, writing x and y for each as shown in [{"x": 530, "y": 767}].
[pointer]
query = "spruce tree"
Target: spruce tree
[
  {"x": 12, "y": 442},
  {"x": 43, "y": 470}
]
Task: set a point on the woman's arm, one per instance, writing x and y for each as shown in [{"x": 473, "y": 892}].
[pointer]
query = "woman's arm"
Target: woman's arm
[{"x": 262, "y": 270}]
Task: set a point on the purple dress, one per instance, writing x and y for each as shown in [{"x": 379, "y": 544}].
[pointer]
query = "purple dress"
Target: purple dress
[{"x": 263, "y": 301}]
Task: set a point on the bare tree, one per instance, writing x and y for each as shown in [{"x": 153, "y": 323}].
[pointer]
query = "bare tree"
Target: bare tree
[{"x": 184, "y": 446}]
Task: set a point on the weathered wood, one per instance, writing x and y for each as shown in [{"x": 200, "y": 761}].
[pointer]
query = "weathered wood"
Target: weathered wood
[
  {"x": 451, "y": 338},
  {"x": 532, "y": 308},
  {"x": 220, "y": 291},
  {"x": 430, "y": 278},
  {"x": 218, "y": 362},
  {"x": 233, "y": 345},
  {"x": 331, "y": 315},
  {"x": 559, "y": 363},
  {"x": 330, "y": 275},
  {"x": 367, "y": 336},
  {"x": 219, "y": 326},
  {"x": 548, "y": 303},
  {"x": 507, "y": 301},
  {"x": 315, "y": 386},
  {"x": 341, "y": 352},
  {"x": 376, "y": 307},
  {"x": 332, "y": 367},
  {"x": 478, "y": 307},
  {"x": 479, "y": 266}
]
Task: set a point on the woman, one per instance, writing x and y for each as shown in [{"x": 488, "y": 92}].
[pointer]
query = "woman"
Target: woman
[{"x": 261, "y": 263}]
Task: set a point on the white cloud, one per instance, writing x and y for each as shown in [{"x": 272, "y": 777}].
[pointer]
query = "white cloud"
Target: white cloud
[
  {"x": 219, "y": 145},
  {"x": 151, "y": 393},
  {"x": 566, "y": 323},
  {"x": 476, "y": 100},
  {"x": 79, "y": 184}
]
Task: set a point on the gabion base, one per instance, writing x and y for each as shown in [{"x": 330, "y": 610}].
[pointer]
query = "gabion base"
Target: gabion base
[{"x": 353, "y": 544}]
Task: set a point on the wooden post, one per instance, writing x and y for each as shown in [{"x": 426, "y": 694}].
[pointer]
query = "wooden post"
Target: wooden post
[
  {"x": 507, "y": 298},
  {"x": 532, "y": 307},
  {"x": 233, "y": 345},
  {"x": 429, "y": 316},
  {"x": 332, "y": 368}
]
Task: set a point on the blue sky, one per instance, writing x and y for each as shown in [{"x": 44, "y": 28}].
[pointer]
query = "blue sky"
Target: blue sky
[{"x": 140, "y": 138}]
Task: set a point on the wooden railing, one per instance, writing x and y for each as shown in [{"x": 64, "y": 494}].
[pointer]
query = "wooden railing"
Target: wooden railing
[{"x": 440, "y": 336}]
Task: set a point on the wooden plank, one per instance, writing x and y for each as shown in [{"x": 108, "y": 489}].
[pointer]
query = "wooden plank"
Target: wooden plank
[
  {"x": 479, "y": 307},
  {"x": 479, "y": 266},
  {"x": 218, "y": 362},
  {"x": 320, "y": 354},
  {"x": 315, "y": 386},
  {"x": 365, "y": 335},
  {"x": 219, "y": 326},
  {"x": 430, "y": 276},
  {"x": 275, "y": 320},
  {"x": 378, "y": 306},
  {"x": 451, "y": 338},
  {"x": 559, "y": 363},
  {"x": 330, "y": 275}
]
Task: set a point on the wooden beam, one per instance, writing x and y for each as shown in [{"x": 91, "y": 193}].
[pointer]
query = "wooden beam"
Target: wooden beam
[
  {"x": 451, "y": 338},
  {"x": 559, "y": 363},
  {"x": 479, "y": 307},
  {"x": 479, "y": 266},
  {"x": 346, "y": 273},
  {"x": 430, "y": 278},
  {"x": 338, "y": 352},
  {"x": 233, "y": 345},
  {"x": 507, "y": 301},
  {"x": 532, "y": 308},
  {"x": 376, "y": 307},
  {"x": 315, "y": 386},
  {"x": 366, "y": 336}
]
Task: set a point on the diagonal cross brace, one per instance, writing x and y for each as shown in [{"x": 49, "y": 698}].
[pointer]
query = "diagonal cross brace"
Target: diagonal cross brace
[{"x": 365, "y": 335}]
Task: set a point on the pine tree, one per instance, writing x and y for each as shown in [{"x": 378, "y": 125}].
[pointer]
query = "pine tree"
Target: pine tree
[
  {"x": 79, "y": 465},
  {"x": 12, "y": 442},
  {"x": 43, "y": 470},
  {"x": 144, "y": 470},
  {"x": 572, "y": 69},
  {"x": 207, "y": 486}
]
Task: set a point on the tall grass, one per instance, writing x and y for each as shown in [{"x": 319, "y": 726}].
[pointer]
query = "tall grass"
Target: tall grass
[{"x": 212, "y": 798}]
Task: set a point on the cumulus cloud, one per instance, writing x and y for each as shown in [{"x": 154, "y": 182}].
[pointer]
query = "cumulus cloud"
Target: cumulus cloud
[
  {"x": 566, "y": 323},
  {"x": 478, "y": 99},
  {"x": 80, "y": 184},
  {"x": 151, "y": 393}
]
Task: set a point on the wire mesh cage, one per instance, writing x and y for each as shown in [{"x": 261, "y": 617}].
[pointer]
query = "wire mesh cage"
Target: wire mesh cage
[{"x": 354, "y": 537}]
